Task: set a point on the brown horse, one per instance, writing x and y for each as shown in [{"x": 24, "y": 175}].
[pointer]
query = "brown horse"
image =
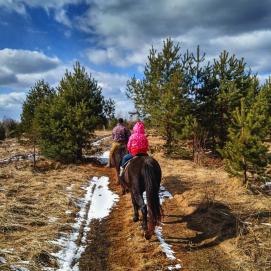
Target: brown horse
[
  {"x": 116, "y": 158},
  {"x": 144, "y": 174}
]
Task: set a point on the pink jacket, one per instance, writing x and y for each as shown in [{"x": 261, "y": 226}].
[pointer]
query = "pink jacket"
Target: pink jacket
[{"x": 138, "y": 142}]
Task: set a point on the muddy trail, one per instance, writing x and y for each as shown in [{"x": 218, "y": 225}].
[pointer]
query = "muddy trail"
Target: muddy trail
[{"x": 117, "y": 243}]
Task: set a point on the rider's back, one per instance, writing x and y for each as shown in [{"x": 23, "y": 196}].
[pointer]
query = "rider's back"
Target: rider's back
[
  {"x": 138, "y": 142},
  {"x": 120, "y": 133}
]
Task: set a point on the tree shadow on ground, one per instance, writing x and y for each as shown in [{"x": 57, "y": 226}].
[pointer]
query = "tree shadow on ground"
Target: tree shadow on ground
[
  {"x": 213, "y": 223},
  {"x": 175, "y": 185}
]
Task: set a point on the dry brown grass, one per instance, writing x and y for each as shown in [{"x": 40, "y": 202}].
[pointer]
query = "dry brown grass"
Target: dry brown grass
[
  {"x": 11, "y": 147},
  {"x": 208, "y": 197},
  {"x": 33, "y": 205}
]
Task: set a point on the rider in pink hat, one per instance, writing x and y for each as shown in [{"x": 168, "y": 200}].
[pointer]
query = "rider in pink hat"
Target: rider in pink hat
[{"x": 137, "y": 145}]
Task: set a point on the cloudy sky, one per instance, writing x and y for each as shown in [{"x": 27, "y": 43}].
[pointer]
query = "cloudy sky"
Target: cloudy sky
[{"x": 111, "y": 38}]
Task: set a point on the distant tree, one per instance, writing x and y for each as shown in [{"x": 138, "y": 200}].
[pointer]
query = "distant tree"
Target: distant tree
[
  {"x": 194, "y": 131},
  {"x": 109, "y": 111},
  {"x": 244, "y": 152},
  {"x": 109, "y": 108},
  {"x": 136, "y": 92},
  {"x": 11, "y": 127},
  {"x": 66, "y": 123},
  {"x": 2, "y": 131}
]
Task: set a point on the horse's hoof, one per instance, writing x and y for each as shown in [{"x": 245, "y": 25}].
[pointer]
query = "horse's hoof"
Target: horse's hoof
[
  {"x": 144, "y": 226},
  {"x": 147, "y": 236},
  {"x": 135, "y": 218}
]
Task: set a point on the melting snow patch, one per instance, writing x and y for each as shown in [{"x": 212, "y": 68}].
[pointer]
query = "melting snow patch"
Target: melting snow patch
[
  {"x": 2, "y": 260},
  {"x": 96, "y": 204},
  {"x": 166, "y": 248},
  {"x": 98, "y": 142},
  {"x": 103, "y": 158},
  {"x": 19, "y": 157},
  {"x": 176, "y": 267},
  {"x": 52, "y": 219},
  {"x": 164, "y": 194},
  {"x": 18, "y": 268}
]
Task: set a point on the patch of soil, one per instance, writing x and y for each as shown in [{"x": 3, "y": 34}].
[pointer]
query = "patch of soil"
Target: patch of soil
[{"x": 96, "y": 254}]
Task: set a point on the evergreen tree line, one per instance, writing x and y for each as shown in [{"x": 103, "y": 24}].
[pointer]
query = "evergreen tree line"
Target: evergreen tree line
[
  {"x": 60, "y": 120},
  {"x": 220, "y": 105}
]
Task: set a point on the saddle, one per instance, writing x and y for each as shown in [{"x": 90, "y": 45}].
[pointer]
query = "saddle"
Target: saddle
[{"x": 125, "y": 166}]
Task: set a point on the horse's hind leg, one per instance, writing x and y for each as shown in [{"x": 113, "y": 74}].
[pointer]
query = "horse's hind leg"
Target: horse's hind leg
[
  {"x": 136, "y": 214},
  {"x": 140, "y": 202}
]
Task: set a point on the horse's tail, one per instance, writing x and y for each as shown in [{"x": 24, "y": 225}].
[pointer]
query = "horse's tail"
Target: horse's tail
[{"x": 152, "y": 177}]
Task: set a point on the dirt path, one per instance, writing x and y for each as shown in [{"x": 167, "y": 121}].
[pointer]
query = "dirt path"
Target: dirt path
[
  {"x": 117, "y": 243},
  {"x": 204, "y": 223}
]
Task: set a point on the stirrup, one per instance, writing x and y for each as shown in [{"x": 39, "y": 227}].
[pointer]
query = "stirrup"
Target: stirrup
[{"x": 121, "y": 171}]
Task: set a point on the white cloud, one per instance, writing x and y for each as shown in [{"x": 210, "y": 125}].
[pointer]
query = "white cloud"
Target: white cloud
[
  {"x": 253, "y": 46},
  {"x": 25, "y": 61},
  {"x": 113, "y": 84},
  {"x": 13, "y": 5},
  {"x": 97, "y": 56},
  {"x": 20, "y": 69},
  {"x": 7, "y": 77},
  {"x": 11, "y": 104},
  {"x": 52, "y": 76},
  {"x": 11, "y": 100},
  {"x": 19, "y": 6},
  {"x": 117, "y": 57}
]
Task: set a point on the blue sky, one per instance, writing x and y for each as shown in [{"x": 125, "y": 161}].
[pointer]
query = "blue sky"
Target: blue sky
[{"x": 111, "y": 38}]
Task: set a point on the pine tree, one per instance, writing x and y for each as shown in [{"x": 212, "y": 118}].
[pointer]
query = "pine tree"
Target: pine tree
[
  {"x": 161, "y": 96},
  {"x": 233, "y": 80},
  {"x": 261, "y": 109},
  {"x": 66, "y": 123},
  {"x": 244, "y": 151},
  {"x": 223, "y": 84},
  {"x": 136, "y": 92},
  {"x": 35, "y": 97}
]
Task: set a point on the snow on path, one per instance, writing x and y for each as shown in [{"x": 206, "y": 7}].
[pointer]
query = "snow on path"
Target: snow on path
[
  {"x": 166, "y": 248},
  {"x": 98, "y": 142},
  {"x": 103, "y": 158},
  {"x": 96, "y": 204}
]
